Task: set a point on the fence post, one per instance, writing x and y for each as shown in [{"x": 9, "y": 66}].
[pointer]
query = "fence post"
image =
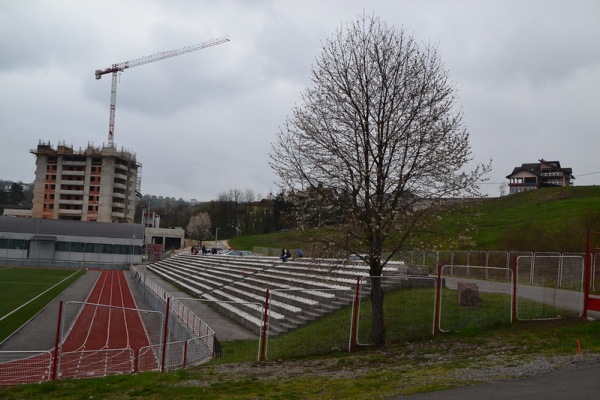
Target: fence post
[
  {"x": 185, "y": 350},
  {"x": 263, "y": 334},
  {"x": 438, "y": 301},
  {"x": 586, "y": 274},
  {"x": 136, "y": 359},
  {"x": 354, "y": 323},
  {"x": 165, "y": 335},
  {"x": 513, "y": 310},
  {"x": 57, "y": 341}
]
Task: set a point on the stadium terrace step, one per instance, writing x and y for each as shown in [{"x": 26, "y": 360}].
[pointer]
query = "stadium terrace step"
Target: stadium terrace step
[{"x": 300, "y": 291}]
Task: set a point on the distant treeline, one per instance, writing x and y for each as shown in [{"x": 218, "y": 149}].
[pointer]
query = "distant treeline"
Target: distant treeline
[
  {"x": 234, "y": 213},
  {"x": 15, "y": 194}
]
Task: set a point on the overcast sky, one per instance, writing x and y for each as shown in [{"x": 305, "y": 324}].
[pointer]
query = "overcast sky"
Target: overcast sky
[{"x": 527, "y": 75}]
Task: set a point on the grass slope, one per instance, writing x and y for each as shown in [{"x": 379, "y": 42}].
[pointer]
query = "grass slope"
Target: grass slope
[{"x": 550, "y": 219}]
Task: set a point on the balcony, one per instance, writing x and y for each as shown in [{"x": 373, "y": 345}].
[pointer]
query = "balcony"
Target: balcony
[
  {"x": 71, "y": 202},
  {"x": 552, "y": 173},
  {"x": 117, "y": 214},
  {"x": 72, "y": 173},
  {"x": 69, "y": 212},
  {"x": 66, "y": 180},
  {"x": 78, "y": 163},
  {"x": 71, "y": 191}
]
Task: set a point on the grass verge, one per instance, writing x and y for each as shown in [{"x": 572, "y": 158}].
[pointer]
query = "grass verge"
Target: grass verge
[{"x": 404, "y": 368}]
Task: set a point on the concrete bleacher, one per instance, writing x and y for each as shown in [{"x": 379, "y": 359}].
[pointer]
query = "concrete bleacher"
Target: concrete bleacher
[{"x": 300, "y": 290}]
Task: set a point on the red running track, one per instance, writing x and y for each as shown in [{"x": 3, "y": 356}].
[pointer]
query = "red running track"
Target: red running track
[
  {"x": 105, "y": 339},
  {"x": 107, "y": 334}
]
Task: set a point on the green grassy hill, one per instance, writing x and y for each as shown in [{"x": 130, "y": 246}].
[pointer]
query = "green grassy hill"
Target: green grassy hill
[{"x": 550, "y": 219}]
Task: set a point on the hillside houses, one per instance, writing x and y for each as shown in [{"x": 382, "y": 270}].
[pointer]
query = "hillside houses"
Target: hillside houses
[{"x": 538, "y": 175}]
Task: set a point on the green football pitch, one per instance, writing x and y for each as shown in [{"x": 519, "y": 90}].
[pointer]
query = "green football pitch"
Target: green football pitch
[{"x": 26, "y": 291}]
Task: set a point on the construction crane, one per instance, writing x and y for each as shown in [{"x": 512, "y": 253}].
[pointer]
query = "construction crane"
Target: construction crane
[{"x": 115, "y": 68}]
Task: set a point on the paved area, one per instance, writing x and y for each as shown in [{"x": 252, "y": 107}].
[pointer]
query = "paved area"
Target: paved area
[
  {"x": 579, "y": 382},
  {"x": 224, "y": 328}
]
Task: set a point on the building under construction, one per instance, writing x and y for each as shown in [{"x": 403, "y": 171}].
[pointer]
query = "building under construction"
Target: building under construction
[{"x": 92, "y": 184}]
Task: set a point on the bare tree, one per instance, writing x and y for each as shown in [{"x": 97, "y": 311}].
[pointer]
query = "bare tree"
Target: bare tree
[
  {"x": 199, "y": 226},
  {"x": 503, "y": 188},
  {"x": 377, "y": 138}
]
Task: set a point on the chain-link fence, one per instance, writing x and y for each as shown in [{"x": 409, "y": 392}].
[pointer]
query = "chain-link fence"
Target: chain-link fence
[
  {"x": 549, "y": 286},
  {"x": 190, "y": 340},
  {"x": 595, "y": 260},
  {"x": 408, "y": 308},
  {"x": 295, "y": 322},
  {"x": 474, "y": 297},
  {"x": 291, "y": 311},
  {"x": 205, "y": 345},
  {"x": 18, "y": 367},
  {"x": 105, "y": 340}
]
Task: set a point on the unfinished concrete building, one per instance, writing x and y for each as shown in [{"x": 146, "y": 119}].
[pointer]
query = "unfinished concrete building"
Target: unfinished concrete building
[{"x": 94, "y": 184}]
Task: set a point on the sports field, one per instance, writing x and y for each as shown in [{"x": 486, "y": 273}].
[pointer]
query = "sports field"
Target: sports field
[
  {"x": 26, "y": 291},
  {"x": 107, "y": 337}
]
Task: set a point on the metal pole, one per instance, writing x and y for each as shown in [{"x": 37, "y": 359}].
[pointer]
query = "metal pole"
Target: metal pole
[
  {"x": 144, "y": 295},
  {"x": 263, "y": 336},
  {"x": 57, "y": 341},
  {"x": 586, "y": 274},
  {"x": 514, "y": 296},
  {"x": 354, "y": 324},
  {"x": 438, "y": 300},
  {"x": 165, "y": 335}
]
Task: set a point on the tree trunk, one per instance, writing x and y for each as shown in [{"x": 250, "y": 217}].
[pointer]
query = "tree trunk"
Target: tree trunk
[{"x": 378, "y": 327}]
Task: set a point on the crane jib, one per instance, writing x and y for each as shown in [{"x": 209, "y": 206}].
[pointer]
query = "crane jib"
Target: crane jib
[{"x": 141, "y": 61}]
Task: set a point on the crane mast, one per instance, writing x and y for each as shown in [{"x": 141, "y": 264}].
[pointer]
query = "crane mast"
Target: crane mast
[{"x": 115, "y": 68}]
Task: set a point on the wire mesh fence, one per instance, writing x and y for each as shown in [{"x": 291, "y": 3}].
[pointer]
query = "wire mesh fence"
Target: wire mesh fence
[
  {"x": 95, "y": 363},
  {"x": 427, "y": 260},
  {"x": 408, "y": 308},
  {"x": 112, "y": 327},
  {"x": 474, "y": 297},
  {"x": 148, "y": 358},
  {"x": 432, "y": 258},
  {"x": 18, "y": 367},
  {"x": 192, "y": 340},
  {"x": 311, "y": 321},
  {"x": 291, "y": 311},
  {"x": 200, "y": 350},
  {"x": 206, "y": 345},
  {"x": 185, "y": 324},
  {"x": 104, "y": 340},
  {"x": 595, "y": 260},
  {"x": 549, "y": 286}
]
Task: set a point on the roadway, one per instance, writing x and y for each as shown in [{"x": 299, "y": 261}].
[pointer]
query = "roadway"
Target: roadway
[{"x": 580, "y": 381}]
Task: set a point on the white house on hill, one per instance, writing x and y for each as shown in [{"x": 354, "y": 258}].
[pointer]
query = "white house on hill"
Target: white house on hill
[{"x": 538, "y": 175}]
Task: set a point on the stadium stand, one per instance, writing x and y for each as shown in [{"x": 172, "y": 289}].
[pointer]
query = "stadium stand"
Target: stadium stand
[{"x": 301, "y": 290}]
